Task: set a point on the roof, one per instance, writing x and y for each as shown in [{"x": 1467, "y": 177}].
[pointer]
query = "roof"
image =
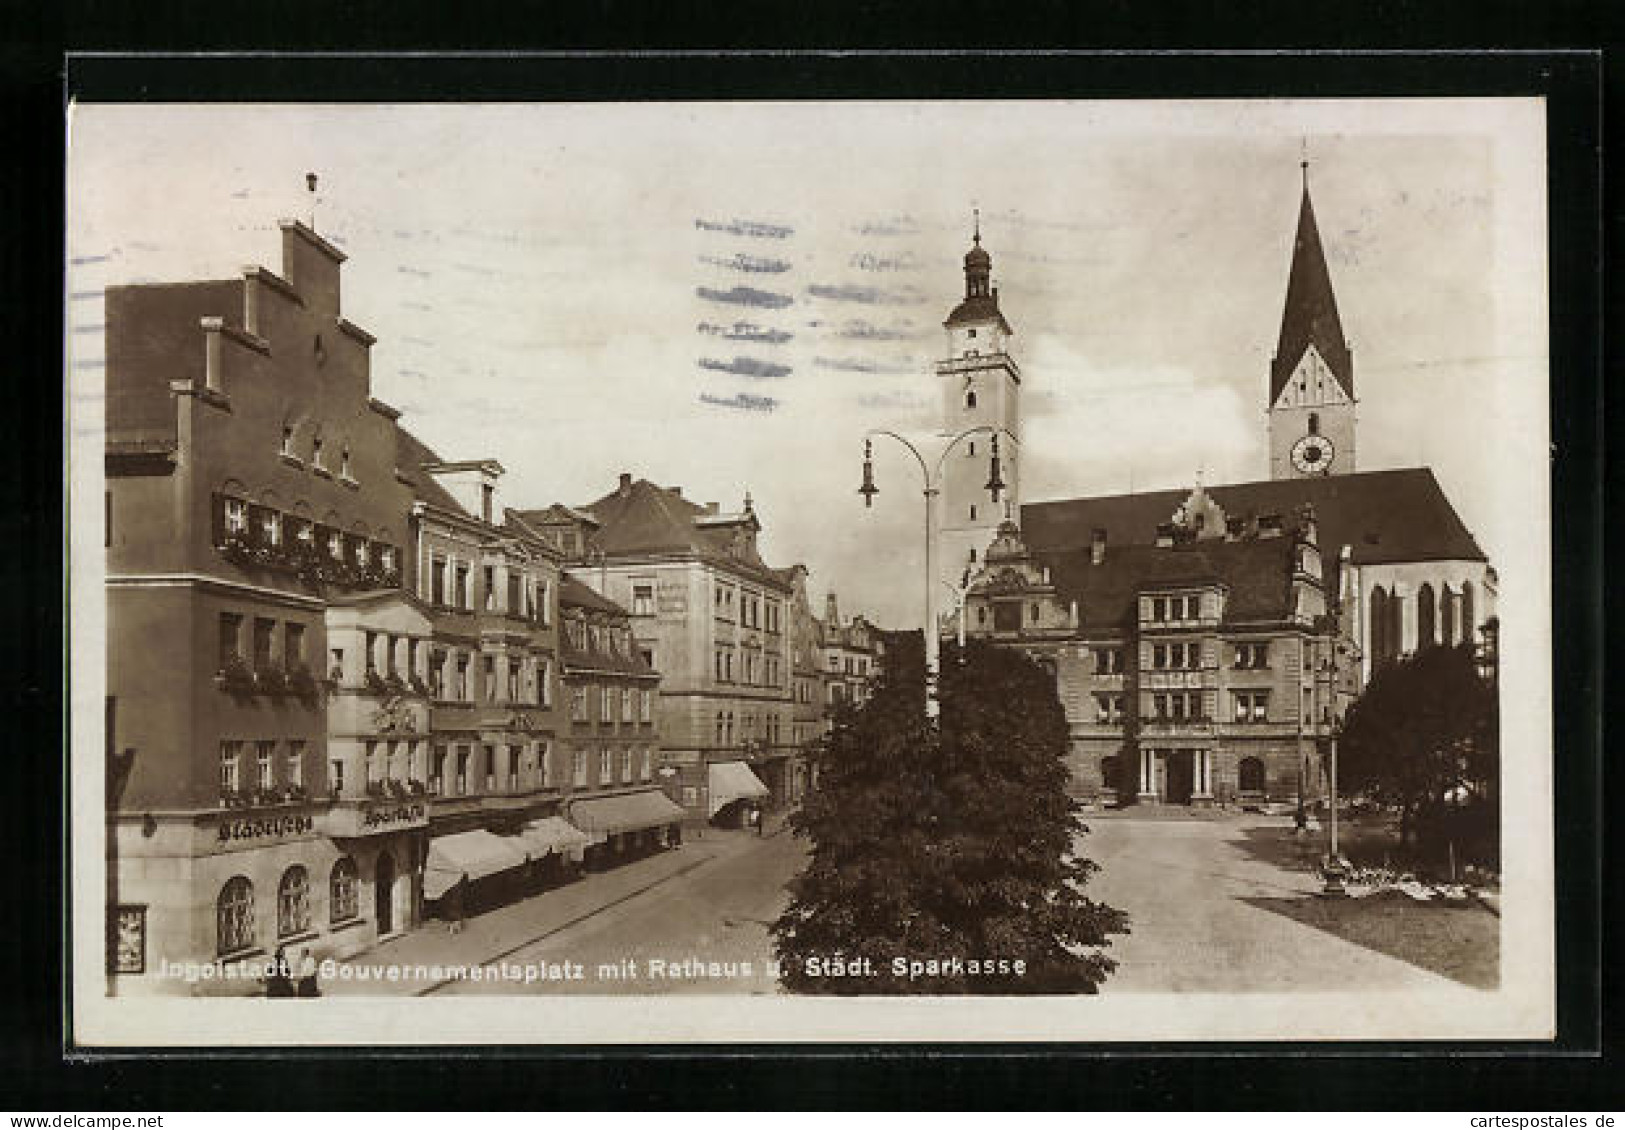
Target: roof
[
  {"x": 641, "y": 518},
  {"x": 1255, "y": 571},
  {"x": 152, "y": 337},
  {"x": 1384, "y": 516},
  {"x": 411, "y": 456},
  {"x": 1310, "y": 315},
  {"x": 574, "y": 594}
]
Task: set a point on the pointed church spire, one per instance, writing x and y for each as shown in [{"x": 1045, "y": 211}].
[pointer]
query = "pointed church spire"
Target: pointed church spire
[{"x": 1310, "y": 315}]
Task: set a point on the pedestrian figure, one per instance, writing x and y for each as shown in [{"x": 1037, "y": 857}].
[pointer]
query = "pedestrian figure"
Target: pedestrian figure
[
  {"x": 308, "y": 986},
  {"x": 279, "y": 982}
]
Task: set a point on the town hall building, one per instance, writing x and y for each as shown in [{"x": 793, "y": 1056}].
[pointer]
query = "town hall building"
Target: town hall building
[{"x": 1203, "y": 640}]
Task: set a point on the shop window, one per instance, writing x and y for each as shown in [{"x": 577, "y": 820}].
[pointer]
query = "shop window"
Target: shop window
[
  {"x": 343, "y": 904},
  {"x": 578, "y": 768},
  {"x": 234, "y": 917},
  {"x": 293, "y": 902}
]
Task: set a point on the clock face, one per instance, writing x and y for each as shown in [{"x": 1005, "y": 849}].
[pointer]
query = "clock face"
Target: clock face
[{"x": 1312, "y": 455}]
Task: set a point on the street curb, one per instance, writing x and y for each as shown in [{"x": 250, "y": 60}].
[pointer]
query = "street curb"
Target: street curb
[{"x": 632, "y": 894}]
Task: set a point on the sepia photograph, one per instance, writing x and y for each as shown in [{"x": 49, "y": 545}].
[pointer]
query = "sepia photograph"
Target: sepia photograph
[{"x": 809, "y": 571}]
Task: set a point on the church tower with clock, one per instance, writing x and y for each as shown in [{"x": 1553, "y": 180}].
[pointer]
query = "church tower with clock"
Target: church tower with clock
[
  {"x": 981, "y": 388},
  {"x": 1312, "y": 405}
]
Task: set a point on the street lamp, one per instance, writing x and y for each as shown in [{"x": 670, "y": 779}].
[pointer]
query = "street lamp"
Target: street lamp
[{"x": 932, "y": 487}]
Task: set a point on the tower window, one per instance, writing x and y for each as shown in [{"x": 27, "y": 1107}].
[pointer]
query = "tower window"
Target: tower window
[
  {"x": 970, "y": 398},
  {"x": 973, "y": 447},
  {"x": 973, "y": 512},
  {"x": 970, "y": 333},
  {"x": 1314, "y": 423}
]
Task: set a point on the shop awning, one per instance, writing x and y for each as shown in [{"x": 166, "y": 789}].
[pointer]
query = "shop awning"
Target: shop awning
[
  {"x": 475, "y": 854},
  {"x": 731, "y": 781},
  {"x": 607, "y": 816},
  {"x": 553, "y": 834}
]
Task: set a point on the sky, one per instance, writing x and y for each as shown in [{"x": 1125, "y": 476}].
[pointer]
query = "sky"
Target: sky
[{"x": 725, "y": 297}]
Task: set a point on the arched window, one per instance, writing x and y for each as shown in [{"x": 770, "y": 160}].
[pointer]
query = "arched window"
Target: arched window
[
  {"x": 1426, "y": 615},
  {"x": 1448, "y": 631},
  {"x": 1250, "y": 775},
  {"x": 293, "y": 902},
  {"x": 234, "y": 916},
  {"x": 1379, "y": 624},
  {"x": 1469, "y": 626},
  {"x": 342, "y": 905},
  {"x": 1395, "y": 630},
  {"x": 1314, "y": 423}
]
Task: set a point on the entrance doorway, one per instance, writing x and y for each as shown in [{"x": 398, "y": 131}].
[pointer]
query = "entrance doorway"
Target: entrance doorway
[
  {"x": 1181, "y": 776},
  {"x": 383, "y": 893}
]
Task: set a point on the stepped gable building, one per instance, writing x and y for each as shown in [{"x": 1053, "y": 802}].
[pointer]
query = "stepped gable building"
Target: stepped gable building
[
  {"x": 712, "y": 616},
  {"x": 1231, "y": 697},
  {"x": 253, "y": 520},
  {"x": 613, "y": 740},
  {"x": 849, "y": 656}
]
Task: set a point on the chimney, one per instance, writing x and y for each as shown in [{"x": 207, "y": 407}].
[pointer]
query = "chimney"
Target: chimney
[
  {"x": 832, "y": 614},
  {"x": 1097, "y": 546},
  {"x": 1234, "y": 527},
  {"x": 626, "y": 484},
  {"x": 1165, "y": 535},
  {"x": 211, "y": 353},
  {"x": 678, "y": 491},
  {"x": 712, "y": 508},
  {"x": 1269, "y": 525}
]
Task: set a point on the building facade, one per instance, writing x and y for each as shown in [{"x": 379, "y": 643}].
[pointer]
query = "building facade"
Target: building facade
[
  {"x": 252, "y": 508},
  {"x": 713, "y": 617},
  {"x": 1232, "y": 698}
]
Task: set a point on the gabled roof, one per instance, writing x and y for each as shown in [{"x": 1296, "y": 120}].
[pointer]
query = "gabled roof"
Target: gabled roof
[
  {"x": 558, "y": 514},
  {"x": 641, "y": 518},
  {"x": 980, "y": 308},
  {"x": 1310, "y": 315},
  {"x": 574, "y": 594},
  {"x": 1384, "y": 516},
  {"x": 1255, "y": 572},
  {"x": 411, "y": 456}
]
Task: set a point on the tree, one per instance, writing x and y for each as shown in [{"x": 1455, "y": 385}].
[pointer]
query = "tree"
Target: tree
[
  {"x": 1425, "y": 738},
  {"x": 954, "y": 843}
]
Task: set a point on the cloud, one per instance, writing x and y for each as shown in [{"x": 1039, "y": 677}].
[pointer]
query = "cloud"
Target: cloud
[
  {"x": 869, "y": 261},
  {"x": 861, "y": 330},
  {"x": 853, "y": 365},
  {"x": 891, "y": 225},
  {"x": 742, "y": 400}
]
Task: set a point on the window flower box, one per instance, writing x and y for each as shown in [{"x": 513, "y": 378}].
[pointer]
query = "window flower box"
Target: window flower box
[
  {"x": 394, "y": 684},
  {"x": 272, "y": 680},
  {"x": 301, "y": 682},
  {"x": 236, "y": 678},
  {"x": 375, "y": 790},
  {"x": 420, "y": 687},
  {"x": 375, "y": 683}
]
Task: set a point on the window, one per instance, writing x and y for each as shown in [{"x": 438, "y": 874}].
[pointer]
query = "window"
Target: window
[
  {"x": 1252, "y": 706},
  {"x": 374, "y": 765},
  {"x": 234, "y": 916},
  {"x": 236, "y": 511},
  {"x": 341, "y": 891},
  {"x": 293, "y": 643},
  {"x": 648, "y": 764},
  {"x": 1253, "y": 655},
  {"x": 626, "y": 766},
  {"x": 719, "y": 728},
  {"x": 544, "y": 763},
  {"x": 231, "y": 630},
  {"x": 296, "y": 764},
  {"x": 1314, "y": 423},
  {"x": 514, "y": 754},
  {"x": 647, "y": 706},
  {"x": 488, "y": 759},
  {"x": 460, "y": 593},
  {"x": 229, "y": 755},
  {"x": 462, "y": 770},
  {"x": 437, "y": 582},
  {"x": 643, "y": 600},
  {"x": 606, "y": 710},
  {"x": 264, "y": 630},
  {"x": 973, "y": 512},
  {"x": 513, "y": 680},
  {"x": 578, "y": 704},
  {"x": 1006, "y": 617},
  {"x": 970, "y": 398},
  {"x": 578, "y": 768},
  {"x": 1109, "y": 709},
  {"x": 606, "y": 768},
  {"x": 626, "y": 704},
  {"x": 316, "y": 454},
  {"x": 460, "y": 689},
  {"x": 544, "y": 682},
  {"x": 344, "y": 462},
  {"x": 489, "y": 588},
  {"x": 490, "y": 672},
  {"x": 335, "y": 775},
  {"x": 293, "y": 902},
  {"x": 287, "y": 439}
]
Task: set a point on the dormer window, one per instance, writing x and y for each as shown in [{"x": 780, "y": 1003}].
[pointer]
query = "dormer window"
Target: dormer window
[
  {"x": 344, "y": 463},
  {"x": 287, "y": 439},
  {"x": 316, "y": 452}
]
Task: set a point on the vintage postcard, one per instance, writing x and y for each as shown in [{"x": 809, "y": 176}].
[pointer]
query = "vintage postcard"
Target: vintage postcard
[{"x": 816, "y": 571}]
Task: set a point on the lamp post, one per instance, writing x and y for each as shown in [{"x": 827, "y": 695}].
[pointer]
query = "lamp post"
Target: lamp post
[
  {"x": 931, "y": 477},
  {"x": 1331, "y": 666}
]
